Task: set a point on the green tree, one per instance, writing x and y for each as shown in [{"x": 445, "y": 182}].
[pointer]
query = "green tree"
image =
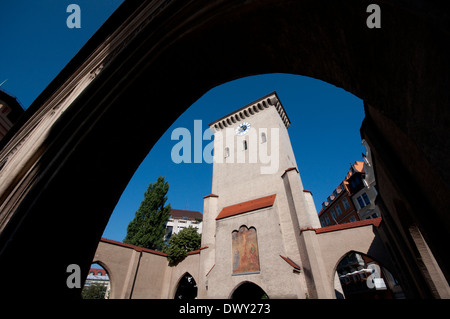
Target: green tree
[
  {"x": 147, "y": 229},
  {"x": 93, "y": 291},
  {"x": 188, "y": 239}
]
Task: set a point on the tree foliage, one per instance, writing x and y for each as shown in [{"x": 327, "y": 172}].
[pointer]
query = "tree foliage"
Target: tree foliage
[
  {"x": 147, "y": 229},
  {"x": 94, "y": 291},
  {"x": 188, "y": 239}
]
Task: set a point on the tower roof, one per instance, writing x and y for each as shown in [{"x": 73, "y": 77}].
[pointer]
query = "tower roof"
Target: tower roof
[
  {"x": 251, "y": 109},
  {"x": 247, "y": 206}
]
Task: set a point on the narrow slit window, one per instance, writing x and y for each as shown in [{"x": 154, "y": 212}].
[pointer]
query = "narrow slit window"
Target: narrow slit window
[{"x": 263, "y": 137}]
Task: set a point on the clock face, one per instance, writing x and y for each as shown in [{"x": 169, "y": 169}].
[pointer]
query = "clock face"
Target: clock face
[{"x": 243, "y": 128}]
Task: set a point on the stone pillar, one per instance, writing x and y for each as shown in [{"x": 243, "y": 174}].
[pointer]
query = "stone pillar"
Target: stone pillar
[
  {"x": 127, "y": 289},
  {"x": 207, "y": 256},
  {"x": 304, "y": 216}
]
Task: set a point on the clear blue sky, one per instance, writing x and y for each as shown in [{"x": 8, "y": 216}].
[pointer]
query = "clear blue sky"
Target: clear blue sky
[{"x": 325, "y": 119}]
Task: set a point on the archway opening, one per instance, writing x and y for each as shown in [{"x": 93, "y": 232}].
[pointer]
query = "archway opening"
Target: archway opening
[
  {"x": 249, "y": 291},
  {"x": 325, "y": 51},
  {"x": 317, "y": 111},
  {"x": 359, "y": 276},
  {"x": 97, "y": 284},
  {"x": 187, "y": 288}
]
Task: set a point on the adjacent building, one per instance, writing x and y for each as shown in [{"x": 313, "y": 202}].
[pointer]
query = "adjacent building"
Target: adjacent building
[
  {"x": 99, "y": 276},
  {"x": 354, "y": 198},
  {"x": 339, "y": 207},
  {"x": 364, "y": 198},
  {"x": 180, "y": 219}
]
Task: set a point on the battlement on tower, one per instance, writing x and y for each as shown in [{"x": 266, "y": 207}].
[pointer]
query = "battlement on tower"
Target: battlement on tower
[{"x": 270, "y": 100}]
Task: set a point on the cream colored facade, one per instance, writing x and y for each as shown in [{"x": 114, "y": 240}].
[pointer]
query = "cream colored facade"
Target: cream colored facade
[{"x": 238, "y": 179}]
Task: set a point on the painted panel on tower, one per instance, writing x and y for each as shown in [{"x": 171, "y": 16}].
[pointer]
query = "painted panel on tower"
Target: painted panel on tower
[{"x": 245, "y": 251}]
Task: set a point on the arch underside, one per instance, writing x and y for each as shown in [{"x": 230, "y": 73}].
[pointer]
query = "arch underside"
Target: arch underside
[{"x": 187, "y": 48}]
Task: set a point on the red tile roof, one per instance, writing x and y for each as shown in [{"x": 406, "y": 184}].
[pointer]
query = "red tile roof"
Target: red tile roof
[
  {"x": 139, "y": 249},
  {"x": 136, "y": 248},
  {"x": 210, "y": 270},
  {"x": 97, "y": 271},
  {"x": 247, "y": 206},
  {"x": 289, "y": 169},
  {"x": 197, "y": 251},
  {"x": 290, "y": 262},
  {"x": 210, "y": 195},
  {"x": 373, "y": 221}
]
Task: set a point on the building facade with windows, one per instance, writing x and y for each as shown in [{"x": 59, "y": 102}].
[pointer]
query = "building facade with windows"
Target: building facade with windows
[
  {"x": 180, "y": 219},
  {"x": 339, "y": 207},
  {"x": 100, "y": 277},
  {"x": 364, "y": 198},
  {"x": 354, "y": 198}
]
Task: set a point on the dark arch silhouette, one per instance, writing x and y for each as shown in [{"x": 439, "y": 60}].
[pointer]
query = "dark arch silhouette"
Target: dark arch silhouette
[
  {"x": 186, "y": 48},
  {"x": 187, "y": 287},
  {"x": 249, "y": 291}
]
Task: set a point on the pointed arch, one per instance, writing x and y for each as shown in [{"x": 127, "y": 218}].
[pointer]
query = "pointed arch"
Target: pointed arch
[
  {"x": 108, "y": 272},
  {"x": 248, "y": 290},
  {"x": 107, "y": 282},
  {"x": 360, "y": 276},
  {"x": 186, "y": 287}
]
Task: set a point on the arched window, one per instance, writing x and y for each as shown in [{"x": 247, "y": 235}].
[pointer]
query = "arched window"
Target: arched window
[
  {"x": 245, "y": 145},
  {"x": 187, "y": 288}
]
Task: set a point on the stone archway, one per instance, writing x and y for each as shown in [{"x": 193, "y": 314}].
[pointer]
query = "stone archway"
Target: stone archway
[
  {"x": 106, "y": 281},
  {"x": 186, "y": 288},
  {"x": 249, "y": 291},
  {"x": 360, "y": 276},
  {"x": 151, "y": 60}
]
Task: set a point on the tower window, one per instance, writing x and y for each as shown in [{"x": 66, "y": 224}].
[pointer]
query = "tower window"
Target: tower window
[
  {"x": 263, "y": 137},
  {"x": 245, "y": 145},
  {"x": 227, "y": 151}
]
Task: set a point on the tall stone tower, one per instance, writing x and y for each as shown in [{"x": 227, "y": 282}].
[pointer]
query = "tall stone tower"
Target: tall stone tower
[{"x": 257, "y": 206}]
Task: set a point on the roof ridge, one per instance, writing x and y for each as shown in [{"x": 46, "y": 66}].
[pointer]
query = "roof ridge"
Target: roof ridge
[
  {"x": 373, "y": 221},
  {"x": 247, "y": 206}
]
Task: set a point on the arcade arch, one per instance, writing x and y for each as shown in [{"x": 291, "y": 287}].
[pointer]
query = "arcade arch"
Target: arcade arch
[
  {"x": 98, "y": 283},
  {"x": 359, "y": 276},
  {"x": 186, "y": 287},
  {"x": 248, "y": 290}
]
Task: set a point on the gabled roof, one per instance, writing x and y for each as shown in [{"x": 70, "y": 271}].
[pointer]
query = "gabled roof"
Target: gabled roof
[{"x": 247, "y": 206}]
